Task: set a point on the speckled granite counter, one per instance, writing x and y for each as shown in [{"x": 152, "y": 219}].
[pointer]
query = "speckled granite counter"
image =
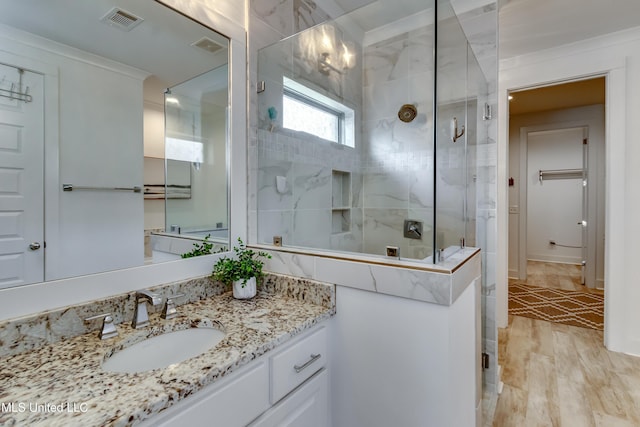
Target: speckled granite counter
[{"x": 62, "y": 383}]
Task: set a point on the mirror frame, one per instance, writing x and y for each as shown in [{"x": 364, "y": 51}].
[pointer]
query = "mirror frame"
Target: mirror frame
[{"x": 28, "y": 299}]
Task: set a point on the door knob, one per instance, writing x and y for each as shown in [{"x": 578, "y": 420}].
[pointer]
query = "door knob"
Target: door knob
[{"x": 34, "y": 246}]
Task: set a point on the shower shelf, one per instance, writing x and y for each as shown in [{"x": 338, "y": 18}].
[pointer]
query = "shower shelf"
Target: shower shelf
[
  {"x": 340, "y": 221},
  {"x": 340, "y": 202}
]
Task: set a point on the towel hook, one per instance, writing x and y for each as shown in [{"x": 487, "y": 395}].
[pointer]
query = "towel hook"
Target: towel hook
[{"x": 454, "y": 130}]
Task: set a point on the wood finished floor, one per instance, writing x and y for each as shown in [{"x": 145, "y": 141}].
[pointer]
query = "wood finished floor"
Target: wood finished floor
[
  {"x": 554, "y": 275},
  {"x": 559, "y": 375}
]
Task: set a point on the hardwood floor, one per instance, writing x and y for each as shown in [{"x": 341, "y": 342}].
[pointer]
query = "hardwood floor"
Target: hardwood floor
[
  {"x": 559, "y": 375},
  {"x": 554, "y": 275}
]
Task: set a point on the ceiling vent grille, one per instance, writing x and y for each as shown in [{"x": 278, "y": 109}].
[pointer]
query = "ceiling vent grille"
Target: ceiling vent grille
[
  {"x": 121, "y": 19},
  {"x": 207, "y": 44}
]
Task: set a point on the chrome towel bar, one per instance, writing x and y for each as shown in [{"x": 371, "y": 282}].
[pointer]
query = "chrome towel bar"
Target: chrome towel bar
[
  {"x": 560, "y": 174},
  {"x": 71, "y": 187}
]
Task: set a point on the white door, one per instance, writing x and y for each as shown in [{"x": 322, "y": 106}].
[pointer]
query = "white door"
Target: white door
[
  {"x": 21, "y": 178},
  {"x": 555, "y": 196}
]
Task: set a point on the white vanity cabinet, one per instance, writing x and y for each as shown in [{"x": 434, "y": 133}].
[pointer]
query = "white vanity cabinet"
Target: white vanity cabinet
[
  {"x": 287, "y": 388},
  {"x": 299, "y": 385}
]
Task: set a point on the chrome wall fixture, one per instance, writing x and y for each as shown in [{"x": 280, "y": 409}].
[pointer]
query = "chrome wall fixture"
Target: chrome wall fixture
[{"x": 560, "y": 174}]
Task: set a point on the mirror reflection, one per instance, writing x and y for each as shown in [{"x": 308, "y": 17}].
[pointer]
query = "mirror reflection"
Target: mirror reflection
[{"x": 113, "y": 137}]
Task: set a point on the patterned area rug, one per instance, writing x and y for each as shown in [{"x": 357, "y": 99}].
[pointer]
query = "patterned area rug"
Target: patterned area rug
[{"x": 585, "y": 310}]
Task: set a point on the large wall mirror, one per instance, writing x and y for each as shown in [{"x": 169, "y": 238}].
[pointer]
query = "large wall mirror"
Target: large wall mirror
[{"x": 114, "y": 137}]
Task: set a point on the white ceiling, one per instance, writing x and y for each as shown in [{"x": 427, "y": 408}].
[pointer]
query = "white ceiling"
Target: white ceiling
[
  {"x": 160, "y": 45},
  {"x": 383, "y": 12},
  {"x": 530, "y": 25}
]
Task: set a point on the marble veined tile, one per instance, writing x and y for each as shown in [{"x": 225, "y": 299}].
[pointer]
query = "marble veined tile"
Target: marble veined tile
[
  {"x": 383, "y": 100},
  {"x": 277, "y": 13},
  {"x": 290, "y": 264},
  {"x": 311, "y": 186},
  {"x": 275, "y": 180},
  {"x": 414, "y": 284},
  {"x": 275, "y": 223},
  {"x": 306, "y": 14},
  {"x": 421, "y": 51},
  {"x": 207, "y": 12},
  {"x": 386, "y": 61},
  {"x": 382, "y": 228},
  {"x": 312, "y": 228},
  {"x": 347, "y": 273},
  {"x": 421, "y": 187},
  {"x": 386, "y": 189}
]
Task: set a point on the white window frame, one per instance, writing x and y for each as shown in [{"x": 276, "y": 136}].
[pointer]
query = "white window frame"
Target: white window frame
[{"x": 314, "y": 99}]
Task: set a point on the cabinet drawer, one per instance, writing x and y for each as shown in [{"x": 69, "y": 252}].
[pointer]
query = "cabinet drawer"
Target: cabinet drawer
[
  {"x": 232, "y": 402},
  {"x": 308, "y": 406},
  {"x": 292, "y": 366}
]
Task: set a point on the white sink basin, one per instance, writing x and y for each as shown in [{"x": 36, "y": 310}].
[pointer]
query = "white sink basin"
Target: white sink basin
[{"x": 163, "y": 350}]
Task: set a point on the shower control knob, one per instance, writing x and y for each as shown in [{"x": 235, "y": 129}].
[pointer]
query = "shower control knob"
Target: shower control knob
[{"x": 34, "y": 246}]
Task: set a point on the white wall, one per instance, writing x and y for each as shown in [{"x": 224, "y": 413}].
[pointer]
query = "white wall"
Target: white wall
[
  {"x": 99, "y": 231},
  {"x": 423, "y": 375},
  {"x": 618, "y": 57}
]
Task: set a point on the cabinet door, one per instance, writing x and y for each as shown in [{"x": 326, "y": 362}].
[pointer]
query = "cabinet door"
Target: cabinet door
[{"x": 306, "y": 406}]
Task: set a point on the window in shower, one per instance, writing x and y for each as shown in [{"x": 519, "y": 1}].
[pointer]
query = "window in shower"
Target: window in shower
[{"x": 309, "y": 111}]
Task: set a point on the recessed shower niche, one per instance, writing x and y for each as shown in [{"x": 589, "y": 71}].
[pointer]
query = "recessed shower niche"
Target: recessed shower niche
[{"x": 340, "y": 202}]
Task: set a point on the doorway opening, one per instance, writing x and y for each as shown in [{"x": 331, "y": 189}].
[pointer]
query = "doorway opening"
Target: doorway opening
[{"x": 557, "y": 186}]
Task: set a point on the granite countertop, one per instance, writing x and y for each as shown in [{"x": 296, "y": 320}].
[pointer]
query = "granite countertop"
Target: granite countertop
[{"x": 62, "y": 383}]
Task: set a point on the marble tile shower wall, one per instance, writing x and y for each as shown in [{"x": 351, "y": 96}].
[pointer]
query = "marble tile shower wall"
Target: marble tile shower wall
[
  {"x": 301, "y": 210},
  {"x": 397, "y": 162},
  {"x": 273, "y": 20}
]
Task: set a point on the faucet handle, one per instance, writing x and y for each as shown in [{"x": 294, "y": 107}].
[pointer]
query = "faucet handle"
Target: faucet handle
[
  {"x": 108, "y": 328},
  {"x": 169, "y": 311}
]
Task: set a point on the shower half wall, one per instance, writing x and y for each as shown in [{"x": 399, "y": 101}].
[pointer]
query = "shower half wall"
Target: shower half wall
[{"x": 392, "y": 159}]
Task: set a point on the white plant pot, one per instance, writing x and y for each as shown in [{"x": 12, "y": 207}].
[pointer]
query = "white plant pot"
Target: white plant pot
[{"x": 244, "y": 292}]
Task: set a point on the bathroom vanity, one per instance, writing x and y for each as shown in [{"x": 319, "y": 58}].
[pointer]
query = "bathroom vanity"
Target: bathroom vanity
[
  {"x": 381, "y": 345},
  {"x": 273, "y": 344}
]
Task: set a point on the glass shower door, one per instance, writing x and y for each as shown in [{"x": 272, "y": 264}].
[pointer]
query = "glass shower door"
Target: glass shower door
[{"x": 450, "y": 133}]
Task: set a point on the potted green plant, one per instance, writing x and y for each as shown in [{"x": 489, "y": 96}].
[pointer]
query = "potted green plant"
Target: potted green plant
[
  {"x": 202, "y": 248},
  {"x": 243, "y": 271}
]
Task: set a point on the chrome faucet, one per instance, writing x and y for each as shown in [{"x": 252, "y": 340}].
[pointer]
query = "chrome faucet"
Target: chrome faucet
[
  {"x": 169, "y": 311},
  {"x": 108, "y": 329},
  {"x": 140, "y": 315}
]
